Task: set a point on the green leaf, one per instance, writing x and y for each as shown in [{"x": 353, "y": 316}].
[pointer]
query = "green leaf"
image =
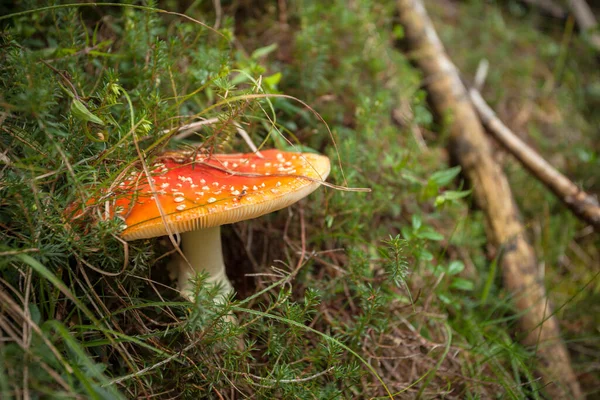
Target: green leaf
[
  {"x": 329, "y": 221},
  {"x": 411, "y": 178},
  {"x": 406, "y": 232},
  {"x": 34, "y": 313},
  {"x": 430, "y": 234},
  {"x": 462, "y": 284},
  {"x": 425, "y": 256},
  {"x": 456, "y": 194},
  {"x": 442, "y": 178},
  {"x": 272, "y": 80},
  {"x": 451, "y": 195},
  {"x": 263, "y": 51},
  {"x": 444, "y": 299},
  {"x": 455, "y": 267},
  {"x": 398, "y": 32},
  {"x": 80, "y": 111},
  {"x": 416, "y": 221}
]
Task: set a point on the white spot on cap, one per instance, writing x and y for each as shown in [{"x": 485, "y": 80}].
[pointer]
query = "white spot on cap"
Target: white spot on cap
[
  {"x": 235, "y": 165},
  {"x": 164, "y": 185},
  {"x": 178, "y": 200},
  {"x": 278, "y": 184},
  {"x": 123, "y": 227},
  {"x": 268, "y": 164},
  {"x": 205, "y": 188},
  {"x": 215, "y": 183},
  {"x": 180, "y": 207},
  {"x": 235, "y": 192},
  {"x": 212, "y": 200},
  {"x": 226, "y": 164},
  {"x": 202, "y": 181},
  {"x": 254, "y": 187},
  {"x": 274, "y": 191}
]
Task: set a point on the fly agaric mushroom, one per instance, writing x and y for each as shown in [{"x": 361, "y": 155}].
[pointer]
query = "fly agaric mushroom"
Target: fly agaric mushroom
[{"x": 197, "y": 194}]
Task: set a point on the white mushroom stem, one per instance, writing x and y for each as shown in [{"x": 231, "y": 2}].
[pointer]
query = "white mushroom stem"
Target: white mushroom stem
[{"x": 202, "y": 248}]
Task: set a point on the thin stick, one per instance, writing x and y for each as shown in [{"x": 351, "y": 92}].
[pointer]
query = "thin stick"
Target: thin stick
[
  {"x": 481, "y": 74},
  {"x": 247, "y": 139},
  {"x": 187, "y": 130},
  {"x": 583, "y": 205}
]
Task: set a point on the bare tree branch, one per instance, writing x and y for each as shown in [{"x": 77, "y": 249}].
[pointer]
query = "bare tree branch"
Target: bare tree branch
[
  {"x": 583, "y": 205},
  {"x": 471, "y": 148}
]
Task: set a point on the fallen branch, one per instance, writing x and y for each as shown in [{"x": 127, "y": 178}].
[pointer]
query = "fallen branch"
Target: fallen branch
[
  {"x": 583, "y": 205},
  {"x": 471, "y": 148},
  {"x": 586, "y": 21}
]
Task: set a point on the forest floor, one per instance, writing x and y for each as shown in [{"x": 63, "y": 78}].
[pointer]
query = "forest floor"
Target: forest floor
[{"x": 396, "y": 292}]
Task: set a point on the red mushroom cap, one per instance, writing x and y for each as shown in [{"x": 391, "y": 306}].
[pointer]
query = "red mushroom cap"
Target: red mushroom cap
[{"x": 212, "y": 190}]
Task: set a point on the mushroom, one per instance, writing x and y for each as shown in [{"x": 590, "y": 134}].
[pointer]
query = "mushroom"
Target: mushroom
[{"x": 199, "y": 193}]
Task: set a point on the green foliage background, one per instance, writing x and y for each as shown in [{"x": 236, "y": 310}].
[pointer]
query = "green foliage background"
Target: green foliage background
[{"x": 396, "y": 292}]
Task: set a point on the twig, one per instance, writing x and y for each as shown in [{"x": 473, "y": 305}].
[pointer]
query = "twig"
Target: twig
[
  {"x": 247, "y": 139},
  {"x": 15, "y": 252},
  {"x": 218, "y": 14},
  {"x": 295, "y": 380},
  {"x": 471, "y": 148},
  {"x": 586, "y": 21},
  {"x": 187, "y": 130},
  {"x": 583, "y": 205},
  {"x": 481, "y": 74},
  {"x": 154, "y": 366}
]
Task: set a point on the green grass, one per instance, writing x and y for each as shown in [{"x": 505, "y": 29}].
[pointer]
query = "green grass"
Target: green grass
[{"x": 397, "y": 294}]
